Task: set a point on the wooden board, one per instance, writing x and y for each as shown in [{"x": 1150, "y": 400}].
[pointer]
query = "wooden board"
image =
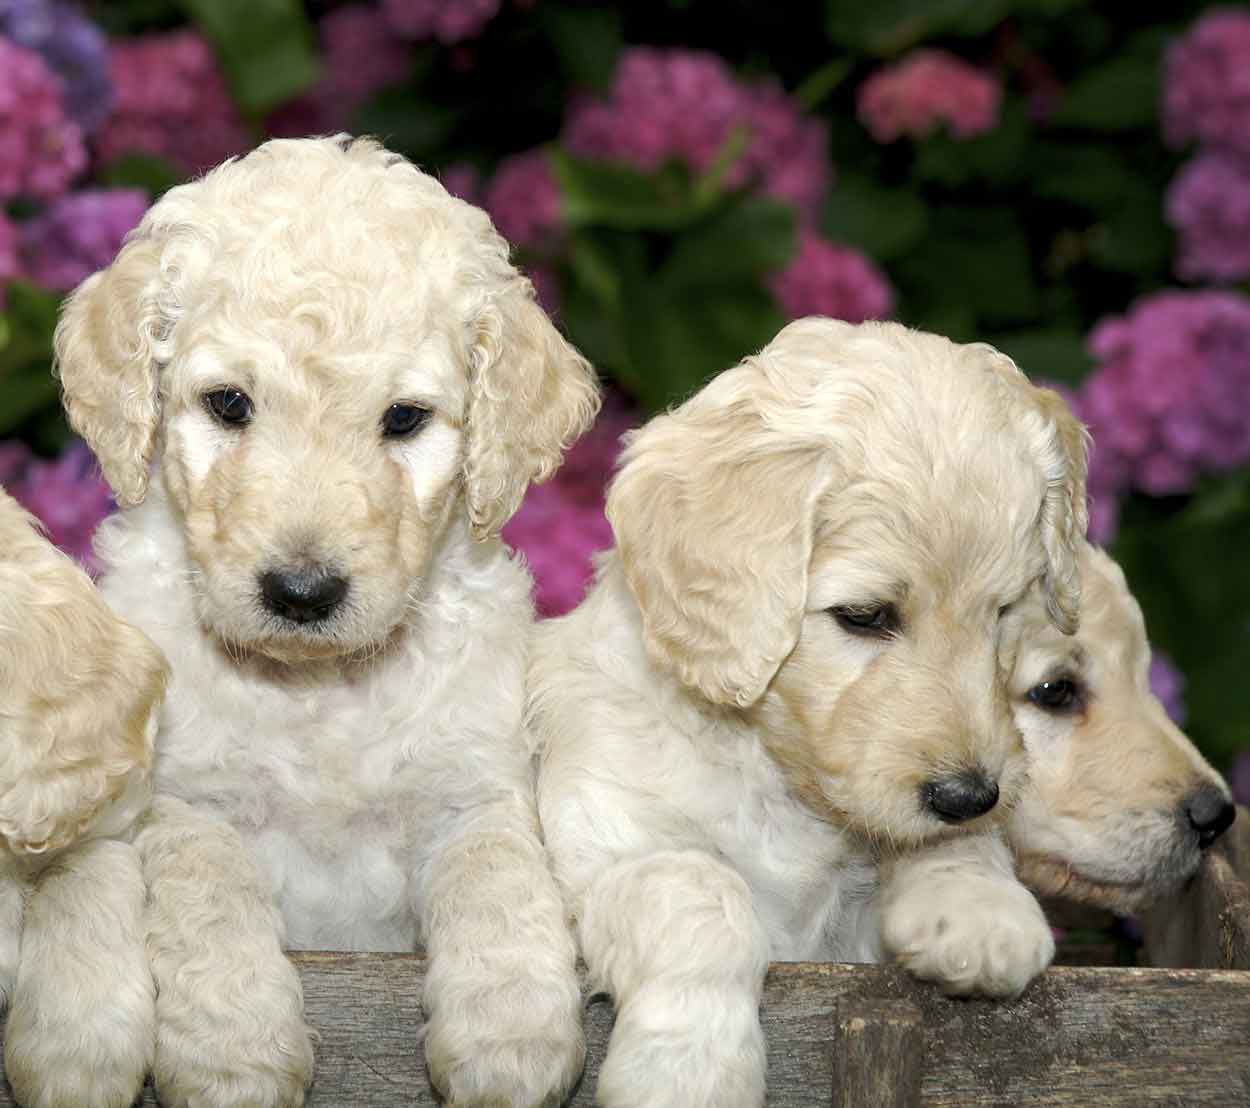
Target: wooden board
[{"x": 1078, "y": 1037}]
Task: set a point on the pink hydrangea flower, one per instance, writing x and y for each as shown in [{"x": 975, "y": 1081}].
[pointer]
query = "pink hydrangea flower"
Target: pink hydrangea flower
[
  {"x": 78, "y": 234},
  {"x": 447, "y": 21},
  {"x": 1209, "y": 205},
  {"x": 825, "y": 278},
  {"x": 686, "y": 105},
  {"x": 68, "y": 495},
  {"x": 41, "y": 149},
  {"x": 561, "y": 524},
  {"x": 171, "y": 102},
  {"x": 929, "y": 88},
  {"x": 523, "y": 200},
  {"x": 1170, "y": 398},
  {"x": 1206, "y": 86},
  {"x": 360, "y": 57},
  {"x": 1168, "y": 684}
]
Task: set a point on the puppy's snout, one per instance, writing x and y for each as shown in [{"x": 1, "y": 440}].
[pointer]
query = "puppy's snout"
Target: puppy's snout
[
  {"x": 960, "y": 796},
  {"x": 302, "y": 595},
  {"x": 1209, "y": 812}
]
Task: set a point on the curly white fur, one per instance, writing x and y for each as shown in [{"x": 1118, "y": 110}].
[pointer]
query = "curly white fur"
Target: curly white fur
[
  {"x": 77, "y": 724},
  {"x": 724, "y": 765},
  {"x": 361, "y": 781}
]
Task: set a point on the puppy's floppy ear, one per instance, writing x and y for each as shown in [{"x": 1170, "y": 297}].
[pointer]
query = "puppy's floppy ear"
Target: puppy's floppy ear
[
  {"x": 530, "y": 395},
  {"x": 1065, "y": 513},
  {"x": 106, "y": 358},
  {"x": 714, "y": 513}
]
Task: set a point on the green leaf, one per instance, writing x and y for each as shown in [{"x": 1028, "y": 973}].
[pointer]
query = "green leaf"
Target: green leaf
[
  {"x": 1120, "y": 95},
  {"x": 596, "y": 193},
  {"x": 154, "y": 175},
  {"x": 886, "y": 27},
  {"x": 883, "y": 222},
  {"x": 407, "y": 123},
  {"x": 587, "y": 42},
  {"x": 997, "y": 156},
  {"x": 741, "y": 246},
  {"x": 265, "y": 48}
]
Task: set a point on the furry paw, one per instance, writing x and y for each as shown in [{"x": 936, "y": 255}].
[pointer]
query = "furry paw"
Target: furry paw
[
  {"x": 977, "y": 935},
  {"x": 61, "y": 1051},
  {"x": 704, "y": 1051},
  {"x": 516, "y": 1044}
]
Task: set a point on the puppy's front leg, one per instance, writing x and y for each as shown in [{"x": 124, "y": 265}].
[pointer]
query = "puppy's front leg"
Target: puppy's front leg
[
  {"x": 230, "y": 1029},
  {"x": 501, "y": 996},
  {"x": 954, "y": 913},
  {"x": 82, "y": 1023},
  {"x": 675, "y": 939}
]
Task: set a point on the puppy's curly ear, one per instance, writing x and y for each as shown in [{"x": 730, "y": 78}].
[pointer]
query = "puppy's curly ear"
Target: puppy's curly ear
[
  {"x": 1065, "y": 513},
  {"x": 714, "y": 511},
  {"x": 107, "y": 363},
  {"x": 530, "y": 395}
]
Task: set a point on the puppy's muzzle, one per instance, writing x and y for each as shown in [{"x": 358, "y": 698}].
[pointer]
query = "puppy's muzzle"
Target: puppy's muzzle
[
  {"x": 1208, "y": 813},
  {"x": 303, "y": 595},
  {"x": 959, "y": 796}
]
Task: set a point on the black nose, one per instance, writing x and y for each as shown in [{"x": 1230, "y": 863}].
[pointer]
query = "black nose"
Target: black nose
[
  {"x": 960, "y": 796},
  {"x": 302, "y": 595},
  {"x": 1209, "y": 812}
]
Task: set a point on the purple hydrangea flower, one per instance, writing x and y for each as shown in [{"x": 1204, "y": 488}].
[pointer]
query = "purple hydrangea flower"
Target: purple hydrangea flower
[
  {"x": 171, "y": 102},
  {"x": 78, "y": 234},
  {"x": 925, "y": 90},
  {"x": 73, "y": 47},
  {"x": 523, "y": 200},
  {"x": 1170, "y": 397},
  {"x": 561, "y": 524},
  {"x": 447, "y": 21},
  {"x": 1206, "y": 87},
  {"x": 67, "y": 494},
  {"x": 41, "y": 149},
  {"x": 686, "y": 105},
  {"x": 462, "y": 180},
  {"x": 825, "y": 278},
  {"x": 1209, "y": 205},
  {"x": 360, "y": 57},
  {"x": 1168, "y": 684}
]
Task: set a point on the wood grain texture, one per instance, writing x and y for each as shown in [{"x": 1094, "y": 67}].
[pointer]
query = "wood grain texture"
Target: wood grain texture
[
  {"x": 877, "y": 1053},
  {"x": 1078, "y": 1037}
]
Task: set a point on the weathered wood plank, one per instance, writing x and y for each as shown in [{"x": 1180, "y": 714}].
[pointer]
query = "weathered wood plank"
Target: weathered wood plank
[
  {"x": 1111, "y": 1037},
  {"x": 878, "y": 1054},
  {"x": 1207, "y": 924}
]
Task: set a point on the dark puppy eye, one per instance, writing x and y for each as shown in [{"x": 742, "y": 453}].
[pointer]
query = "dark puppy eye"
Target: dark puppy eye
[
  {"x": 869, "y": 619},
  {"x": 403, "y": 419},
  {"x": 229, "y": 405},
  {"x": 1061, "y": 695}
]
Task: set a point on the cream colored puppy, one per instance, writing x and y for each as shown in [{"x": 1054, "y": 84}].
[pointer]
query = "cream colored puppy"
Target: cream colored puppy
[
  {"x": 345, "y": 390},
  {"x": 1119, "y": 804},
  {"x": 77, "y": 721},
  {"x": 792, "y": 669}
]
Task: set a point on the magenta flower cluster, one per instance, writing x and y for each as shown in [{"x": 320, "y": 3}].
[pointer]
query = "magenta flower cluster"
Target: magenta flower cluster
[
  {"x": 686, "y": 105},
  {"x": 446, "y": 21},
  {"x": 1209, "y": 205},
  {"x": 929, "y": 89},
  {"x": 78, "y": 234},
  {"x": 1170, "y": 397},
  {"x": 41, "y": 148},
  {"x": 67, "y": 494},
  {"x": 827, "y": 279}
]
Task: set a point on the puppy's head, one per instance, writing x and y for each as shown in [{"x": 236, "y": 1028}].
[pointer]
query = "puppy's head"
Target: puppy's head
[
  {"x": 1119, "y": 803},
  {"x": 81, "y": 691},
  {"x": 329, "y": 354},
  {"x": 826, "y": 538}
]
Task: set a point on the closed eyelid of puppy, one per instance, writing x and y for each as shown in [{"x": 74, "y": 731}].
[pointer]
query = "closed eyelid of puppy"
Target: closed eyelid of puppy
[{"x": 714, "y": 514}]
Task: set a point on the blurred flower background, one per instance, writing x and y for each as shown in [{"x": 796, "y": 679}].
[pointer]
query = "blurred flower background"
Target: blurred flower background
[{"x": 1068, "y": 180}]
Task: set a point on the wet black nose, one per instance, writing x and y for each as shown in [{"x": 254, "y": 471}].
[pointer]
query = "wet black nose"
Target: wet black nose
[
  {"x": 302, "y": 595},
  {"x": 1209, "y": 812},
  {"x": 960, "y": 796}
]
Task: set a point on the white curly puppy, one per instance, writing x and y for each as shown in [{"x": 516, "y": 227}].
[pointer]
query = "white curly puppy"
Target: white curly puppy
[
  {"x": 77, "y": 722},
  {"x": 794, "y": 668},
  {"x": 1119, "y": 804},
  {"x": 346, "y": 389}
]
